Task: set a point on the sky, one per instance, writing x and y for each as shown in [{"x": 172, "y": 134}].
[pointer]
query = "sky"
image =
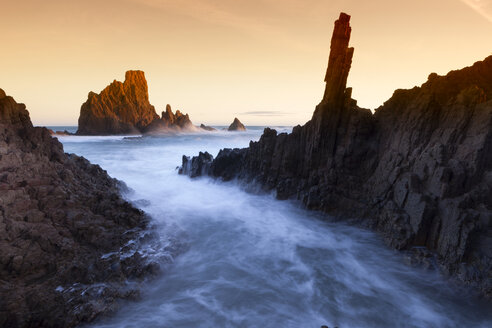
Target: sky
[{"x": 260, "y": 60}]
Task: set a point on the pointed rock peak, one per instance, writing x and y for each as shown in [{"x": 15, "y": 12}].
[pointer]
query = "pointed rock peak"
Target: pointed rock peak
[
  {"x": 339, "y": 62},
  {"x": 236, "y": 125},
  {"x": 168, "y": 108},
  {"x": 2, "y": 94}
]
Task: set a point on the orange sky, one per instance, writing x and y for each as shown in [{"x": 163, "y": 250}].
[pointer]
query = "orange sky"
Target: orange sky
[{"x": 261, "y": 60}]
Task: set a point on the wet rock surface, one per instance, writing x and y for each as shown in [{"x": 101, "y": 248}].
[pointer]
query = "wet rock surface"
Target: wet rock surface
[
  {"x": 69, "y": 243},
  {"x": 418, "y": 170},
  {"x": 124, "y": 108}
]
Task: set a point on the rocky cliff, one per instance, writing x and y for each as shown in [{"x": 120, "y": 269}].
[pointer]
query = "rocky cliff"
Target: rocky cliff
[
  {"x": 419, "y": 169},
  {"x": 124, "y": 108},
  {"x": 68, "y": 241}
]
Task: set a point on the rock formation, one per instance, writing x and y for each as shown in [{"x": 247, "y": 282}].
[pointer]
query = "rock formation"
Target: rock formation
[
  {"x": 170, "y": 121},
  {"x": 60, "y": 133},
  {"x": 419, "y": 170},
  {"x": 65, "y": 231},
  {"x": 124, "y": 108},
  {"x": 236, "y": 125},
  {"x": 207, "y": 128}
]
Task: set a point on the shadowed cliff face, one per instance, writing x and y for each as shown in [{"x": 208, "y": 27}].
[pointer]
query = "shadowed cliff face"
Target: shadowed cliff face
[
  {"x": 59, "y": 215},
  {"x": 236, "y": 125},
  {"x": 124, "y": 108},
  {"x": 418, "y": 170}
]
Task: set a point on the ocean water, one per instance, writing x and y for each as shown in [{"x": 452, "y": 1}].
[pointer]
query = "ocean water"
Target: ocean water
[{"x": 253, "y": 261}]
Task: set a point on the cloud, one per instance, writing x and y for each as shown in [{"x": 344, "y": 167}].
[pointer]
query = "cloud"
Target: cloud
[
  {"x": 483, "y": 7},
  {"x": 265, "y": 113}
]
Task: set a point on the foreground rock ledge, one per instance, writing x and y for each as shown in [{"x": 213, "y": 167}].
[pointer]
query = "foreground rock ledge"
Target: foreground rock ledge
[
  {"x": 65, "y": 255},
  {"x": 419, "y": 170}
]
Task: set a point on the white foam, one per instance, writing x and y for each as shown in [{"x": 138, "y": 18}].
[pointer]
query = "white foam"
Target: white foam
[{"x": 254, "y": 261}]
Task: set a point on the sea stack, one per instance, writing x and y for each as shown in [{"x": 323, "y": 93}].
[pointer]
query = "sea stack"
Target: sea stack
[
  {"x": 418, "y": 170},
  {"x": 207, "y": 128},
  {"x": 236, "y": 125},
  {"x": 59, "y": 215},
  {"x": 124, "y": 108},
  {"x": 169, "y": 122},
  {"x": 339, "y": 63},
  {"x": 121, "y": 108}
]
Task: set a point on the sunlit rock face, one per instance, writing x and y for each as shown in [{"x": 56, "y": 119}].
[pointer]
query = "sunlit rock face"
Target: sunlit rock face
[
  {"x": 170, "y": 121},
  {"x": 124, "y": 108},
  {"x": 418, "y": 170},
  {"x": 59, "y": 216}
]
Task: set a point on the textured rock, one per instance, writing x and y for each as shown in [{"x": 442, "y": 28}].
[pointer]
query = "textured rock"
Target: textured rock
[
  {"x": 170, "y": 121},
  {"x": 236, "y": 125},
  {"x": 196, "y": 166},
  {"x": 124, "y": 108},
  {"x": 418, "y": 170},
  {"x": 59, "y": 215}
]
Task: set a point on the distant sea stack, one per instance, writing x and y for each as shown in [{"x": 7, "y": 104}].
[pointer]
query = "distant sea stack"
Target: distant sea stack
[
  {"x": 207, "y": 128},
  {"x": 236, "y": 125},
  {"x": 59, "y": 215},
  {"x": 170, "y": 121},
  {"x": 124, "y": 108},
  {"x": 418, "y": 170}
]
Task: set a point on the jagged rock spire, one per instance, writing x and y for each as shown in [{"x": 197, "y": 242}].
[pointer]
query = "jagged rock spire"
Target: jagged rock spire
[{"x": 339, "y": 62}]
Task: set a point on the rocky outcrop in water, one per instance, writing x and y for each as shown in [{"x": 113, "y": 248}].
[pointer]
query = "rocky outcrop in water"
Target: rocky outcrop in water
[
  {"x": 68, "y": 241},
  {"x": 170, "y": 121},
  {"x": 419, "y": 169},
  {"x": 207, "y": 128},
  {"x": 60, "y": 133},
  {"x": 236, "y": 125},
  {"x": 124, "y": 108}
]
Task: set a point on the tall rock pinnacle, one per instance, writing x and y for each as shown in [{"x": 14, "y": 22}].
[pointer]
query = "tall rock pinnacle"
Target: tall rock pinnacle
[
  {"x": 339, "y": 62},
  {"x": 124, "y": 108},
  {"x": 120, "y": 108}
]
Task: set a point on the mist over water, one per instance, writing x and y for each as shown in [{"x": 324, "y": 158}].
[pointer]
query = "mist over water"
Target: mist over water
[{"x": 253, "y": 261}]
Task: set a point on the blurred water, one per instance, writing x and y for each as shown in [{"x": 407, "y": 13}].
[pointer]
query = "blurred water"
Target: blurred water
[{"x": 254, "y": 261}]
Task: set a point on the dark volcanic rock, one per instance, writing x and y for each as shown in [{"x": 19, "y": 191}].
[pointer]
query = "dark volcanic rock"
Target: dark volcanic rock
[
  {"x": 63, "y": 230},
  {"x": 124, "y": 108},
  {"x": 196, "y": 166},
  {"x": 236, "y": 125},
  {"x": 419, "y": 170},
  {"x": 207, "y": 128}
]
